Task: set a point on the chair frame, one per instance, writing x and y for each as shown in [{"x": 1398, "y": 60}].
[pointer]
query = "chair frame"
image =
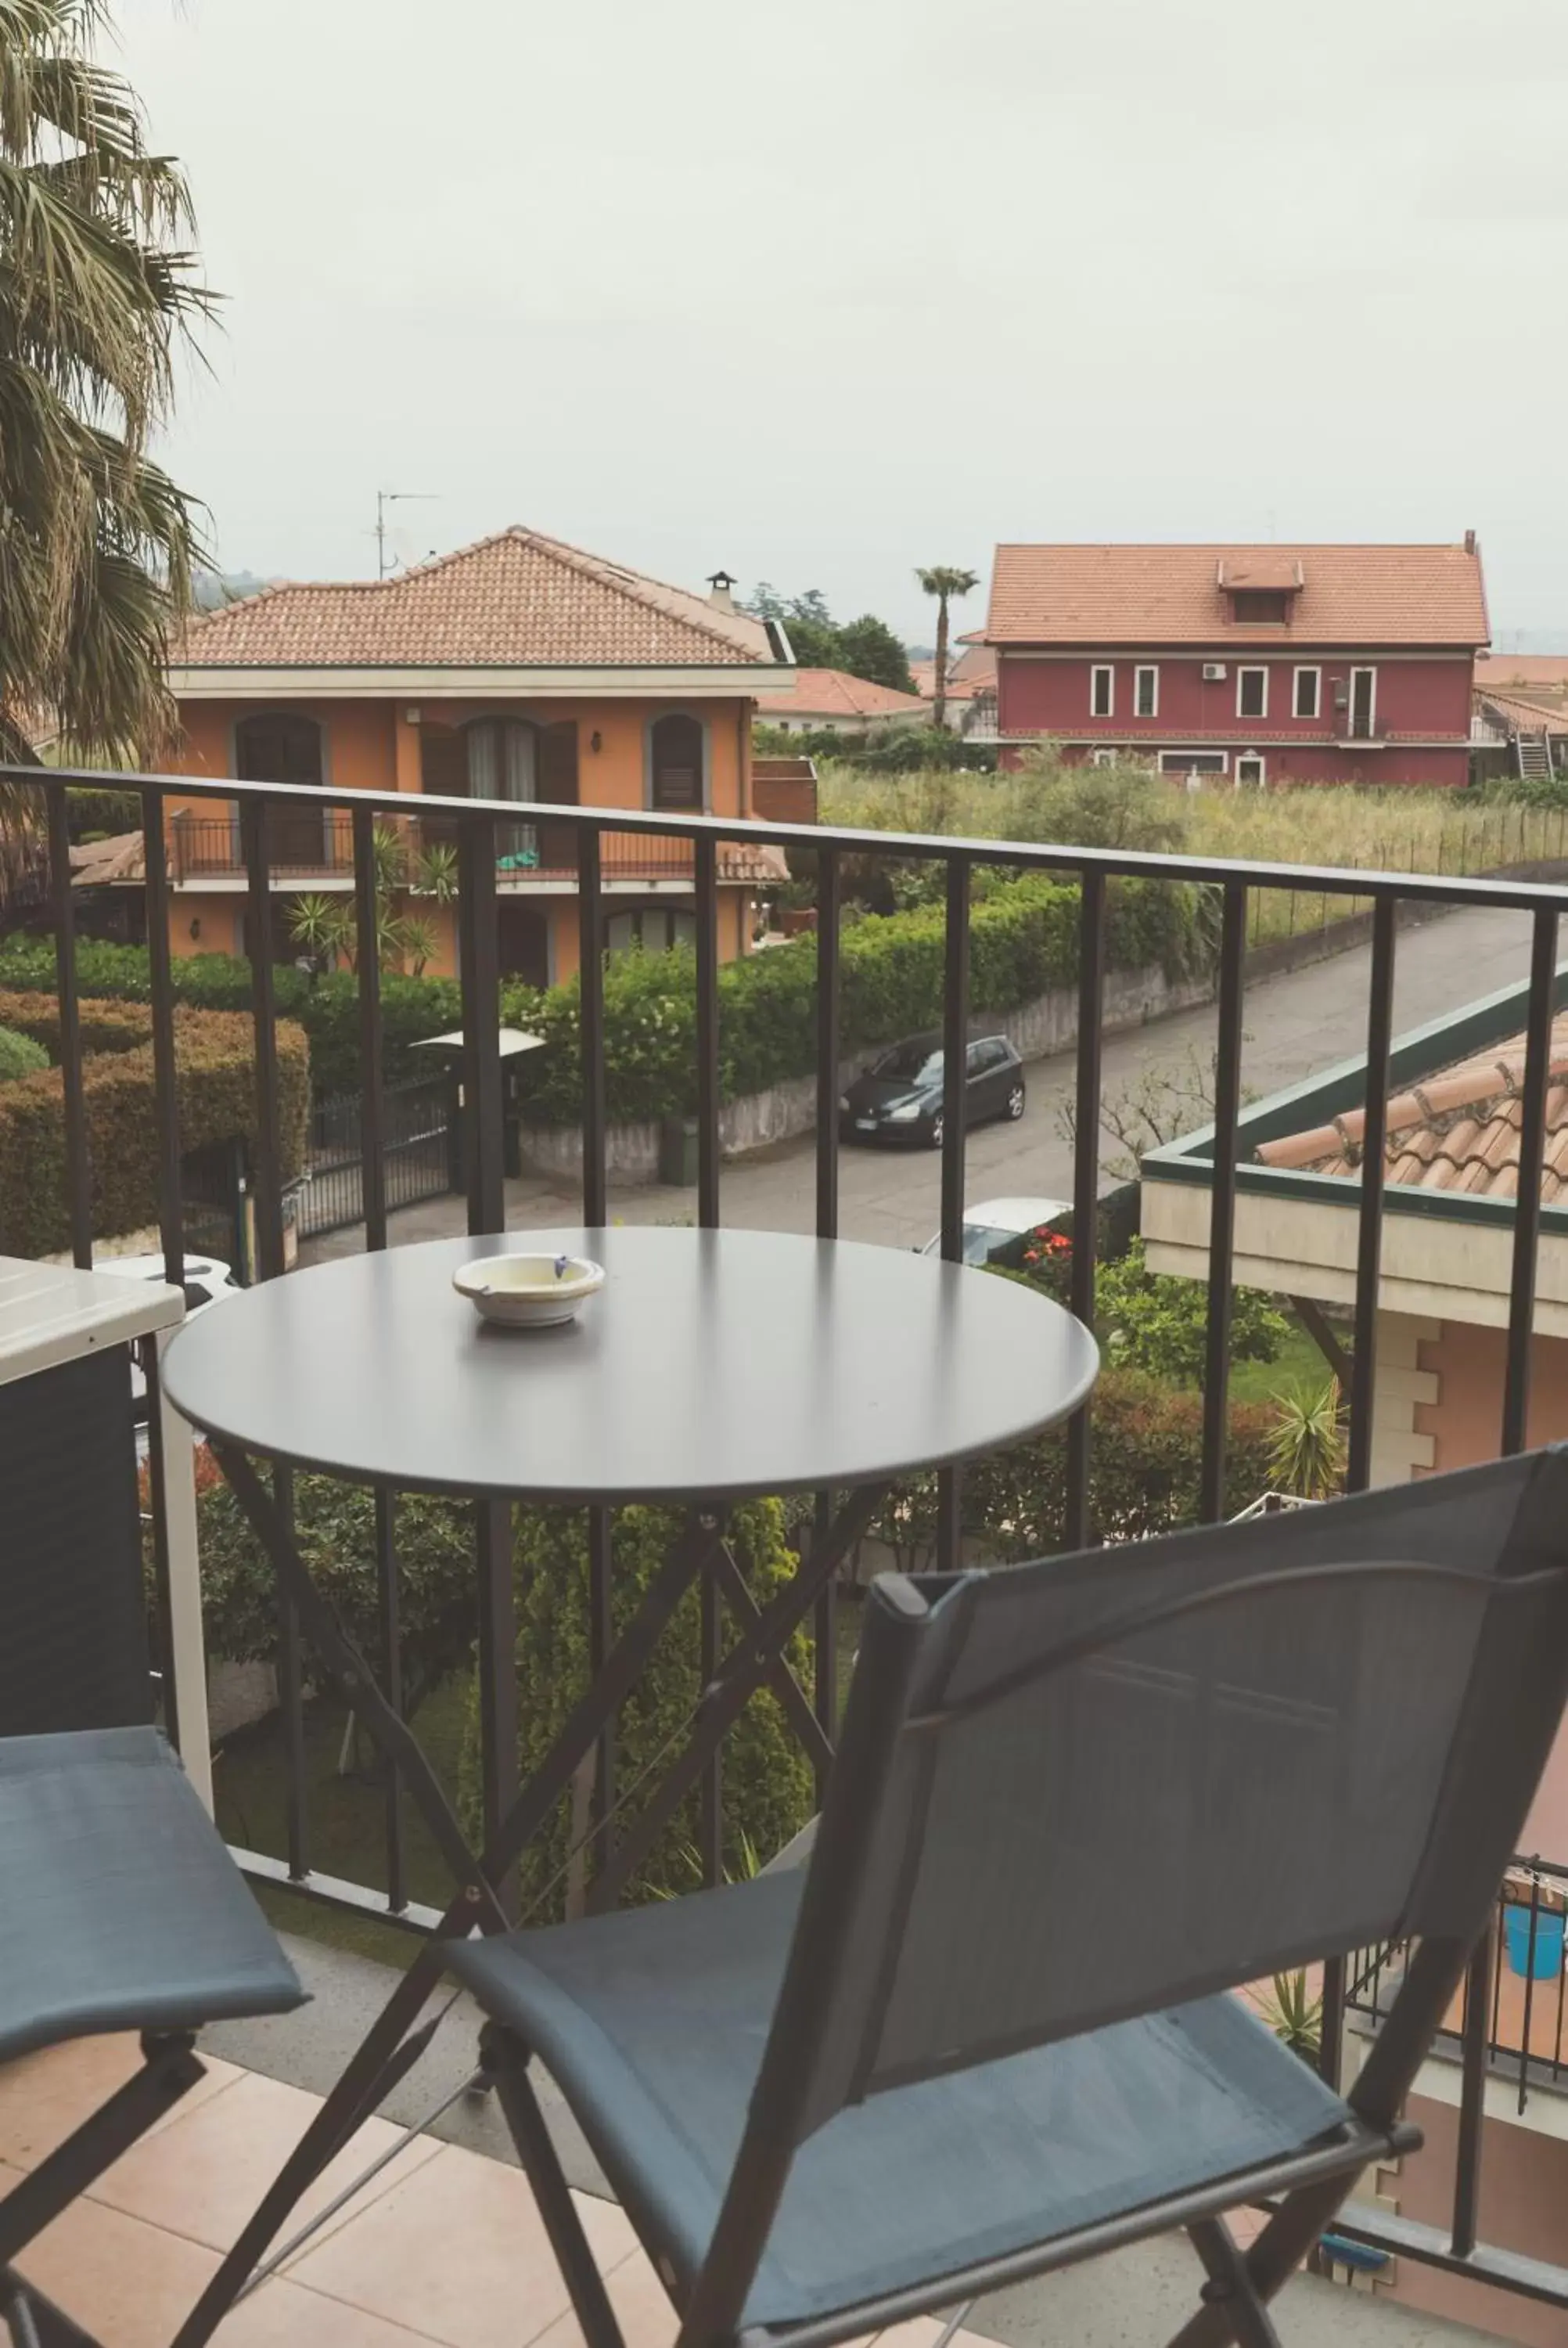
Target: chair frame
[
  {"x": 169, "y": 2069},
  {"x": 1238, "y": 2286}
]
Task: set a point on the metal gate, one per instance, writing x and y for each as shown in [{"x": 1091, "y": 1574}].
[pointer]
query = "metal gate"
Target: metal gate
[{"x": 417, "y": 1124}]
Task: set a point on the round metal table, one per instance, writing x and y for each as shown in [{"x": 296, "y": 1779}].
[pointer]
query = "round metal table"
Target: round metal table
[{"x": 713, "y": 1364}]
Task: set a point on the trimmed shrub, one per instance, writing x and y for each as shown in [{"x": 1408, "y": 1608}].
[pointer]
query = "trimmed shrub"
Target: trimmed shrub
[
  {"x": 1023, "y": 943},
  {"x": 1146, "y": 1458},
  {"x": 94, "y": 813},
  {"x": 767, "y": 1779},
  {"x": 216, "y": 1099},
  {"x": 19, "y": 1055},
  {"x": 334, "y": 1526}
]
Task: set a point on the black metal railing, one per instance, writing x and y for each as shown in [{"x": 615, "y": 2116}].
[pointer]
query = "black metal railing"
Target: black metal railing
[
  {"x": 313, "y": 845},
  {"x": 269, "y": 832},
  {"x": 1522, "y": 2010}
]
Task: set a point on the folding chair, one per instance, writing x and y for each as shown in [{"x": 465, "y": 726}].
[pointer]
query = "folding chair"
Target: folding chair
[
  {"x": 990, "y": 2029},
  {"x": 120, "y": 1907}
]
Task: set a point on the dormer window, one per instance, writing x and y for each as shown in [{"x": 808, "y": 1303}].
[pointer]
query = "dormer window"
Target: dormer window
[{"x": 1260, "y": 604}]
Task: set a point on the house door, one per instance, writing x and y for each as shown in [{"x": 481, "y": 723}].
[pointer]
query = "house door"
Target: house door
[
  {"x": 1363, "y": 702},
  {"x": 523, "y": 939}
]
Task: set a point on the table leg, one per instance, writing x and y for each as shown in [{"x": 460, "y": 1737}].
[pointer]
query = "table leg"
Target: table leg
[
  {"x": 172, "y": 1454},
  {"x": 387, "y": 2052},
  {"x": 741, "y": 1674}
]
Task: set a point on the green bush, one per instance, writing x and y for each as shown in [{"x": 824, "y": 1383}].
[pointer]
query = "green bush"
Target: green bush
[
  {"x": 1150, "y": 1320},
  {"x": 334, "y": 1526},
  {"x": 767, "y": 1779},
  {"x": 327, "y": 1008},
  {"x": 20, "y": 1055},
  {"x": 91, "y": 811},
  {"x": 1023, "y": 943},
  {"x": 1146, "y": 1458},
  {"x": 216, "y": 1099}
]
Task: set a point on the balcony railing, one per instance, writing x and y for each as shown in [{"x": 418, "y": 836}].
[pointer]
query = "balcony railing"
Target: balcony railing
[
  {"x": 315, "y": 845},
  {"x": 281, "y": 830}
]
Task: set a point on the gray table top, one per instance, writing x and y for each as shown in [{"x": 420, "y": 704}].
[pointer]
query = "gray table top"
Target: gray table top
[{"x": 711, "y": 1365}]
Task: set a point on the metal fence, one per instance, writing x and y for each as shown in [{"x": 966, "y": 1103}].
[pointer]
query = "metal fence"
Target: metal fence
[
  {"x": 419, "y": 1160},
  {"x": 266, "y": 812}
]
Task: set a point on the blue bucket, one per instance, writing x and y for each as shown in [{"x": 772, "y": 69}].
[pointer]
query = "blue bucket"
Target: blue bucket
[{"x": 1544, "y": 1962}]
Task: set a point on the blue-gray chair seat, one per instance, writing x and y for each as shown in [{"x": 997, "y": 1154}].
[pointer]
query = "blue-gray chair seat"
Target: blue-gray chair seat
[
  {"x": 122, "y": 1910},
  {"x": 654, "y": 2021}
]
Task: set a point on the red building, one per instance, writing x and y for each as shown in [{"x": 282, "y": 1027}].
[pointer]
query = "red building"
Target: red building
[{"x": 1266, "y": 664}]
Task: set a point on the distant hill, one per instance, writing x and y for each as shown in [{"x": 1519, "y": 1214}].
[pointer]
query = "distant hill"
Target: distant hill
[{"x": 214, "y": 589}]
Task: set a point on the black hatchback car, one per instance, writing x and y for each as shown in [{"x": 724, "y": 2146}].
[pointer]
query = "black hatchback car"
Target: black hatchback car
[{"x": 899, "y": 1097}]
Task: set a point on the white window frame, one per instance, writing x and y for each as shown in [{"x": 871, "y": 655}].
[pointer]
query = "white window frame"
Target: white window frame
[
  {"x": 1251, "y": 758},
  {"x": 1363, "y": 668},
  {"x": 1105, "y": 669},
  {"x": 1103, "y": 758},
  {"x": 1251, "y": 668},
  {"x": 1180, "y": 762},
  {"x": 1146, "y": 669},
  {"x": 1308, "y": 716}
]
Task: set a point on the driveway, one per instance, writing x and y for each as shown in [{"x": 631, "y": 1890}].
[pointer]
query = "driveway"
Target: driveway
[{"x": 1295, "y": 1026}]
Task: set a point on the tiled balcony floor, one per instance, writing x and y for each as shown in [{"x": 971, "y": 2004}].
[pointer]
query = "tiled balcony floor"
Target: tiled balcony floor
[{"x": 443, "y": 2247}]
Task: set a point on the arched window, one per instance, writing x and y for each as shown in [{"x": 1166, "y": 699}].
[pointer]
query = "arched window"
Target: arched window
[
  {"x": 280, "y": 746},
  {"x": 504, "y": 764},
  {"x": 676, "y": 747}
]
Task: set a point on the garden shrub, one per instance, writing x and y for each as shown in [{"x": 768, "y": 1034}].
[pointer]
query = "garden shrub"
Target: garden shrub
[
  {"x": 216, "y": 1099},
  {"x": 1145, "y": 1459},
  {"x": 335, "y": 1526},
  {"x": 1023, "y": 943},
  {"x": 20, "y": 1055},
  {"x": 767, "y": 1779},
  {"x": 90, "y": 812}
]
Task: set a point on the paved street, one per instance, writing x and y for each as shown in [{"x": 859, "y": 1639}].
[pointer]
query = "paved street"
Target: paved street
[{"x": 1294, "y": 1024}]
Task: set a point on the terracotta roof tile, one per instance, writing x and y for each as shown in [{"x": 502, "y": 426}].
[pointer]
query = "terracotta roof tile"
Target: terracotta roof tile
[
  {"x": 834, "y": 693},
  {"x": 515, "y": 600},
  {"x": 1458, "y": 1130},
  {"x": 1534, "y": 714},
  {"x": 1534, "y": 670},
  {"x": 1103, "y": 595}
]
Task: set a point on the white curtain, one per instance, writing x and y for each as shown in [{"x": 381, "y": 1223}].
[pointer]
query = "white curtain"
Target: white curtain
[{"x": 503, "y": 764}]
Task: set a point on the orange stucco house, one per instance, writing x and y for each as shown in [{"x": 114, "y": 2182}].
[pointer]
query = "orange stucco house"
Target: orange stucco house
[{"x": 517, "y": 668}]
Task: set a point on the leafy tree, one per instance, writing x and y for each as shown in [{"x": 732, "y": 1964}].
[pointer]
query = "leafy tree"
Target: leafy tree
[
  {"x": 98, "y": 291},
  {"x": 1150, "y": 1320},
  {"x": 944, "y": 581},
  {"x": 868, "y": 647},
  {"x": 1124, "y": 805}
]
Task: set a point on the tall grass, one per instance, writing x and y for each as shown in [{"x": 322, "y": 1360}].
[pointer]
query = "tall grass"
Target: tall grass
[{"x": 1344, "y": 825}]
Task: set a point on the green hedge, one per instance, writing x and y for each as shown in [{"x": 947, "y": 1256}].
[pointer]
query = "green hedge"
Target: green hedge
[
  {"x": 1023, "y": 943},
  {"x": 19, "y": 1055},
  {"x": 1145, "y": 1461},
  {"x": 327, "y": 1008},
  {"x": 767, "y": 1779},
  {"x": 216, "y": 1099}
]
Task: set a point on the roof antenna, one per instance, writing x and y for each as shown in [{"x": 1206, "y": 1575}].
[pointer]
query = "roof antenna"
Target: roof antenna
[{"x": 384, "y": 498}]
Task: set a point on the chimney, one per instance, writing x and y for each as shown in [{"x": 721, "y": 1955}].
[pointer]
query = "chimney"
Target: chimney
[
  {"x": 721, "y": 585},
  {"x": 1470, "y": 541}
]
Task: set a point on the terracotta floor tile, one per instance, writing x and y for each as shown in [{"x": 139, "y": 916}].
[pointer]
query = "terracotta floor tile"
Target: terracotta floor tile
[
  {"x": 45, "y": 2096},
  {"x": 641, "y": 2306},
  {"x": 457, "y": 2250},
  {"x": 205, "y": 2171},
  {"x": 128, "y": 2282},
  {"x": 283, "y": 2315}
]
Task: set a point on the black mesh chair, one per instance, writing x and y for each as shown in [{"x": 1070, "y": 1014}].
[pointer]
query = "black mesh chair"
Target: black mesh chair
[
  {"x": 121, "y": 1908},
  {"x": 990, "y": 2029}
]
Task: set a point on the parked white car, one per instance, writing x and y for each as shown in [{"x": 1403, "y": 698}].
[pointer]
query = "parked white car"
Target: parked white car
[{"x": 995, "y": 1229}]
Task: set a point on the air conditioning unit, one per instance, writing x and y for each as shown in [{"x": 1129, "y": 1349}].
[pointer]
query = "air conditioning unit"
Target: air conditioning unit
[{"x": 1213, "y": 672}]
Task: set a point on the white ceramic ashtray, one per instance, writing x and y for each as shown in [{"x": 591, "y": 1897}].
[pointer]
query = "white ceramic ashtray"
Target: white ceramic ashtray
[{"x": 529, "y": 1291}]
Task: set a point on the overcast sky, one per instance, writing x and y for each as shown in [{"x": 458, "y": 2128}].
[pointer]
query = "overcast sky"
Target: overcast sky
[{"x": 822, "y": 292}]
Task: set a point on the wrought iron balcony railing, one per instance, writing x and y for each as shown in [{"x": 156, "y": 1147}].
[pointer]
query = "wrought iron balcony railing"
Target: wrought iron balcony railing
[{"x": 591, "y": 846}]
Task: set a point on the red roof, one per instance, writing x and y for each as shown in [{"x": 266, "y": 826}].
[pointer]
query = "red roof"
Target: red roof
[
  {"x": 833, "y": 692},
  {"x": 1537, "y": 669},
  {"x": 1103, "y": 595},
  {"x": 515, "y": 600}
]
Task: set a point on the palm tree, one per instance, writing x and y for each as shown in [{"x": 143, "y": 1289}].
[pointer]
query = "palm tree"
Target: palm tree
[
  {"x": 943, "y": 582},
  {"x": 97, "y": 290}
]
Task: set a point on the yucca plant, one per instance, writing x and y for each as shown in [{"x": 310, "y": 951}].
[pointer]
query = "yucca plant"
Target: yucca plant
[
  {"x": 1306, "y": 1448},
  {"x": 322, "y": 927},
  {"x": 1294, "y": 2015}
]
